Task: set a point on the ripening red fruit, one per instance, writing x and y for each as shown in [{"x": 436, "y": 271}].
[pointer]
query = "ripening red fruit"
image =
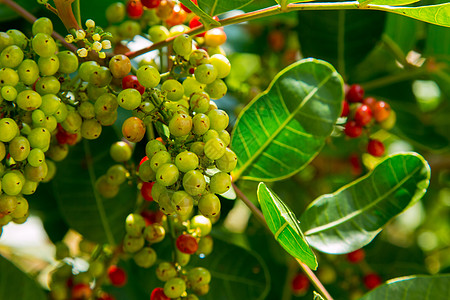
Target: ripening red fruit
[
  {"x": 81, "y": 291},
  {"x": 151, "y": 3},
  {"x": 363, "y": 115},
  {"x": 146, "y": 190},
  {"x": 352, "y": 129},
  {"x": 372, "y": 280},
  {"x": 370, "y": 102},
  {"x": 215, "y": 37},
  {"x": 105, "y": 296},
  {"x": 300, "y": 284},
  {"x": 186, "y": 243},
  {"x": 356, "y": 256},
  {"x": 158, "y": 294},
  {"x": 131, "y": 82},
  {"x": 356, "y": 164},
  {"x": 375, "y": 148},
  {"x": 145, "y": 158},
  {"x": 177, "y": 17},
  {"x": 345, "y": 109},
  {"x": 355, "y": 93},
  {"x": 135, "y": 9},
  {"x": 152, "y": 217},
  {"x": 381, "y": 111},
  {"x": 117, "y": 276},
  {"x": 187, "y": 9},
  {"x": 276, "y": 40}
]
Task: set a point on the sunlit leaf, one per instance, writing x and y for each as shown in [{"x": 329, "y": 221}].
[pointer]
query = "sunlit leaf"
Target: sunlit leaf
[
  {"x": 97, "y": 219},
  {"x": 435, "y": 14},
  {"x": 285, "y": 226},
  {"x": 285, "y": 127},
  {"x": 413, "y": 288},
  {"x": 16, "y": 285},
  {"x": 206, "y": 19},
  {"x": 352, "y": 216},
  {"x": 388, "y": 2},
  {"x": 216, "y": 7}
]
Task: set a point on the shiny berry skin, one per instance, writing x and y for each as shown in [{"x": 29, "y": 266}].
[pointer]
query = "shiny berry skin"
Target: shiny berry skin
[
  {"x": 187, "y": 9},
  {"x": 345, "y": 109},
  {"x": 117, "y": 276},
  {"x": 186, "y": 243},
  {"x": 146, "y": 191},
  {"x": 300, "y": 284},
  {"x": 135, "y": 9},
  {"x": 381, "y": 111},
  {"x": 352, "y": 129},
  {"x": 195, "y": 22},
  {"x": 356, "y": 256},
  {"x": 151, "y": 3},
  {"x": 372, "y": 280},
  {"x": 369, "y": 101},
  {"x": 363, "y": 115},
  {"x": 131, "y": 82},
  {"x": 158, "y": 294},
  {"x": 355, "y": 93},
  {"x": 215, "y": 37},
  {"x": 375, "y": 148}
]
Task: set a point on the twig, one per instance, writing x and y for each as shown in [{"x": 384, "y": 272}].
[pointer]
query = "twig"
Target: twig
[
  {"x": 308, "y": 272},
  {"x": 31, "y": 18}
]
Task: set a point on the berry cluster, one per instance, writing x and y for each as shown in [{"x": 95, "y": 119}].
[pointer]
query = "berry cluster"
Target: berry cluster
[{"x": 363, "y": 113}]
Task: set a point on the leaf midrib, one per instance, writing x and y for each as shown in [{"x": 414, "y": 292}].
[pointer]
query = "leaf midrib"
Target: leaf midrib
[
  {"x": 282, "y": 125},
  {"x": 358, "y": 212}
]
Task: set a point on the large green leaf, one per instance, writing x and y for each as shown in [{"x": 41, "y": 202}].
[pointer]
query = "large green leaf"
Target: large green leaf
[
  {"x": 97, "y": 219},
  {"x": 285, "y": 226},
  {"x": 403, "y": 31},
  {"x": 435, "y": 287},
  {"x": 237, "y": 273},
  {"x": 16, "y": 285},
  {"x": 349, "y": 36},
  {"x": 351, "y": 217},
  {"x": 206, "y": 19},
  {"x": 435, "y": 14},
  {"x": 216, "y": 7},
  {"x": 285, "y": 127}
]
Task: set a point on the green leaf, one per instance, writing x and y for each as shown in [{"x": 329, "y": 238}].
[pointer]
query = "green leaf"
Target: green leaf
[
  {"x": 207, "y": 20},
  {"x": 285, "y": 226},
  {"x": 349, "y": 35},
  {"x": 351, "y": 217},
  {"x": 217, "y": 7},
  {"x": 97, "y": 219},
  {"x": 388, "y": 2},
  {"x": 417, "y": 287},
  {"x": 16, "y": 285},
  {"x": 236, "y": 273},
  {"x": 285, "y": 127},
  {"x": 403, "y": 31},
  {"x": 435, "y": 14}
]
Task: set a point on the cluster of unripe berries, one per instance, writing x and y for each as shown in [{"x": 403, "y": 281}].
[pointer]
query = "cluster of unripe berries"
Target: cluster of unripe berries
[{"x": 363, "y": 113}]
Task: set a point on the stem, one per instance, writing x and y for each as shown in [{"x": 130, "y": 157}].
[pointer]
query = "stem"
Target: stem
[
  {"x": 394, "y": 78},
  {"x": 31, "y": 18},
  {"x": 260, "y": 216},
  {"x": 66, "y": 15}
]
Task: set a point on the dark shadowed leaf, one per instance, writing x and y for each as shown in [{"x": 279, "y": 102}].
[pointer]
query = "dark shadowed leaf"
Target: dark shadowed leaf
[
  {"x": 351, "y": 217},
  {"x": 97, "y": 219},
  {"x": 284, "y": 225},
  {"x": 16, "y": 285},
  {"x": 418, "y": 287},
  {"x": 285, "y": 127}
]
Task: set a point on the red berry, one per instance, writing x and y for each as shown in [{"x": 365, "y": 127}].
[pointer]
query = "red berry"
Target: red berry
[
  {"x": 187, "y": 9},
  {"x": 106, "y": 296},
  {"x": 352, "y": 129},
  {"x": 117, "y": 276},
  {"x": 135, "y": 9},
  {"x": 177, "y": 17},
  {"x": 369, "y": 101},
  {"x": 345, "y": 109},
  {"x": 131, "y": 82},
  {"x": 158, "y": 294},
  {"x": 152, "y": 217},
  {"x": 375, "y": 148},
  {"x": 372, "y": 280},
  {"x": 355, "y": 93},
  {"x": 363, "y": 115},
  {"x": 146, "y": 191},
  {"x": 300, "y": 284},
  {"x": 195, "y": 22},
  {"x": 151, "y": 3},
  {"x": 381, "y": 111},
  {"x": 356, "y": 256},
  {"x": 215, "y": 37},
  {"x": 145, "y": 158},
  {"x": 356, "y": 164},
  {"x": 186, "y": 243},
  {"x": 81, "y": 291},
  {"x": 276, "y": 40}
]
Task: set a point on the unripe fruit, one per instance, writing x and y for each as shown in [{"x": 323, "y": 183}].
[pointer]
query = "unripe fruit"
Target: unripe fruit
[{"x": 133, "y": 129}]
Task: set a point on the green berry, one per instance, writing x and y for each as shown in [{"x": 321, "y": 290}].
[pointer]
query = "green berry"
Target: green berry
[
  {"x": 7, "y": 204},
  {"x": 146, "y": 173},
  {"x": 133, "y": 244},
  {"x": 209, "y": 205},
  {"x": 182, "y": 203},
  {"x": 167, "y": 174},
  {"x": 28, "y": 71},
  {"x": 165, "y": 271},
  {"x": 173, "y": 89},
  {"x": 216, "y": 89},
  {"x": 198, "y": 57},
  {"x": 29, "y": 100},
  {"x": 186, "y": 161},
  {"x": 158, "y": 33},
  {"x": 160, "y": 158},
  {"x": 91, "y": 129},
  {"x": 42, "y": 25},
  {"x": 120, "y": 151},
  {"x": 194, "y": 183},
  {"x": 44, "y": 45},
  {"x": 68, "y": 62},
  {"x": 180, "y": 124},
  {"x": 11, "y": 57},
  {"x": 220, "y": 183},
  {"x": 205, "y": 73},
  {"x": 134, "y": 225},
  {"x": 48, "y": 65},
  {"x": 174, "y": 287},
  {"x": 105, "y": 189},
  {"x": 48, "y": 85},
  {"x": 39, "y": 138},
  {"x": 221, "y": 64},
  {"x": 12, "y": 184},
  {"x": 201, "y": 224},
  {"x": 148, "y": 76},
  {"x": 157, "y": 191},
  {"x": 182, "y": 45},
  {"x": 227, "y": 162},
  {"x": 116, "y": 174},
  {"x": 154, "y": 233},
  {"x": 154, "y": 146},
  {"x": 200, "y": 124},
  {"x": 8, "y": 77},
  {"x": 199, "y": 276},
  {"x": 219, "y": 119},
  {"x": 19, "y": 148},
  {"x": 73, "y": 122},
  {"x": 145, "y": 258},
  {"x": 214, "y": 148},
  {"x": 36, "y": 157},
  {"x": 191, "y": 86}
]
